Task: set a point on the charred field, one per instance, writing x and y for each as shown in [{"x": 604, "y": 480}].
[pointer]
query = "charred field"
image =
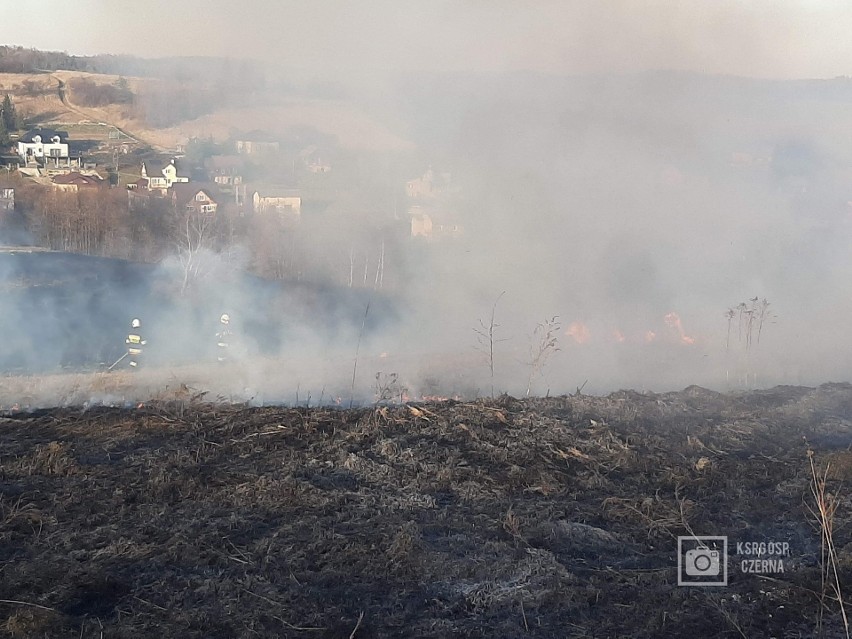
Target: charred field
[{"x": 499, "y": 518}]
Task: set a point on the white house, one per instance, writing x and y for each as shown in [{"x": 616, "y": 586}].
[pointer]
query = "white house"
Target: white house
[
  {"x": 434, "y": 223},
  {"x": 41, "y": 145},
  {"x": 276, "y": 200},
  {"x": 162, "y": 178}
]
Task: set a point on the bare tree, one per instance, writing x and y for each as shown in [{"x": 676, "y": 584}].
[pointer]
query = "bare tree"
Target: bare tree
[{"x": 194, "y": 241}]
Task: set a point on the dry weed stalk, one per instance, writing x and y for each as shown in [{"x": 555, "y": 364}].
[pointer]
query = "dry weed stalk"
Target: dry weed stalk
[
  {"x": 512, "y": 524},
  {"x": 751, "y": 318},
  {"x": 826, "y": 507},
  {"x": 357, "y": 353},
  {"x": 544, "y": 344},
  {"x": 486, "y": 337},
  {"x": 719, "y": 604},
  {"x": 389, "y": 388}
]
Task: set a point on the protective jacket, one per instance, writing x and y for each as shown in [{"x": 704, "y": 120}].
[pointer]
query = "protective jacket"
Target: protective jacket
[
  {"x": 223, "y": 343},
  {"x": 134, "y": 343}
]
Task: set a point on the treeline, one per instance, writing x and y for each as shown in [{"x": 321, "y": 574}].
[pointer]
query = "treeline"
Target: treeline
[
  {"x": 23, "y": 60},
  {"x": 160, "y": 104},
  {"x": 100, "y": 222},
  {"x": 90, "y": 93},
  {"x": 171, "y": 102}
]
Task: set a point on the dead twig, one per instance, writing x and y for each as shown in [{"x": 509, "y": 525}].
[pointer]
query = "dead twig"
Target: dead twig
[
  {"x": 15, "y": 602},
  {"x": 280, "y": 605},
  {"x": 357, "y": 625}
]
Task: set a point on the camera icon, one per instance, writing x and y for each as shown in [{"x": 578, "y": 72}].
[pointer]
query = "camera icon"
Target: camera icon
[{"x": 702, "y": 561}]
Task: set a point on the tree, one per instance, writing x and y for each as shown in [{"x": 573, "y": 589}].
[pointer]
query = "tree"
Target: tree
[
  {"x": 10, "y": 116},
  {"x": 193, "y": 236}
]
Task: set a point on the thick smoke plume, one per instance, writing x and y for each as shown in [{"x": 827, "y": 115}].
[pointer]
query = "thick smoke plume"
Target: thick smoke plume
[{"x": 639, "y": 207}]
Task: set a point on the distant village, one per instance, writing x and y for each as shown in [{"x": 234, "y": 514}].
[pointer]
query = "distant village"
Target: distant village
[
  {"x": 223, "y": 180},
  {"x": 292, "y": 204}
]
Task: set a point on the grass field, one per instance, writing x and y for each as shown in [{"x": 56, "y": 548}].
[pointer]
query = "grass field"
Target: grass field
[{"x": 490, "y": 518}]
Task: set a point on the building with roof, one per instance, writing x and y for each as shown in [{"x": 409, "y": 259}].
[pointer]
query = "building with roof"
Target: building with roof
[
  {"x": 192, "y": 198},
  {"x": 43, "y": 146},
  {"x": 160, "y": 177},
  {"x": 75, "y": 181},
  {"x": 256, "y": 143},
  {"x": 275, "y": 199},
  {"x": 434, "y": 223},
  {"x": 225, "y": 170}
]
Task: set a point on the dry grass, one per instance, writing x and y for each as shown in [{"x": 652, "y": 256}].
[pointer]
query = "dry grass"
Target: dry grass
[
  {"x": 826, "y": 504},
  {"x": 181, "y": 518},
  {"x": 353, "y": 127}
]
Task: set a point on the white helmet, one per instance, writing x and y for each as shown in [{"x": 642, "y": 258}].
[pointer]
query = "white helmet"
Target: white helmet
[
  {"x": 135, "y": 323},
  {"x": 225, "y": 318}
]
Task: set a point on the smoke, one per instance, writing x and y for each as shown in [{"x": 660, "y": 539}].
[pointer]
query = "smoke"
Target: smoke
[
  {"x": 616, "y": 201},
  {"x": 339, "y": 40},
  {"x": 637, "y": 205}
]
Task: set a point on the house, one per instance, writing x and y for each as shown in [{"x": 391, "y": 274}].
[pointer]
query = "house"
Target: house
[
  {"x": 41, "y": 146},
  {"x": 274, "y": 199},
  {"x": 192, "y": 198},
  {"x": 421, "y": 187},
  {"x": 7, "y": 198},
  {"x": 160, "y": 178},
  {"x": 224, "y": 170},
  {"x": 430, "y": 185},
  {"x": 75, "y": 182},
  {"x": 317, "y": 165},
  {"x": 433, "y": 223},
  {"x": 256, "y": 143}
]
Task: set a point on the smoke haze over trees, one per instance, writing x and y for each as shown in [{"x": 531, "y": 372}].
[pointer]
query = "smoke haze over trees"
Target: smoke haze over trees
[{"x": 613, "y": 199}]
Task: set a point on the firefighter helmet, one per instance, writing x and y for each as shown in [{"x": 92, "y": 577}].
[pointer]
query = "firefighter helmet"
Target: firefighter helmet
[
  {"x": 135, "y": 323},
  {"x": 225, "y": 318}
]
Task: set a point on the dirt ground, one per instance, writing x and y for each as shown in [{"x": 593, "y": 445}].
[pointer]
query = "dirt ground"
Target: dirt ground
[{"x": 494, "y": 518}]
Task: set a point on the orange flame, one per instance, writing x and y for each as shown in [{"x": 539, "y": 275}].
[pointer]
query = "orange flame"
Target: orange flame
[
  {"x": 579, "y": 332},
  {"x": 650, "y": 336},
  {"x": 618, "y": 336},
  {"x": 673, "y": 321}
]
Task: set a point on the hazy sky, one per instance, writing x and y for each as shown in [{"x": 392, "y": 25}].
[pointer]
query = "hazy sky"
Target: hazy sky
[{"x": 768, "y": 38}]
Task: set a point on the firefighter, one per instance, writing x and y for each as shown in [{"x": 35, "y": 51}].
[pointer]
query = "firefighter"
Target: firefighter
[
  {"x": 135, "y": 343},
  {"x": 223, "y": 338}
]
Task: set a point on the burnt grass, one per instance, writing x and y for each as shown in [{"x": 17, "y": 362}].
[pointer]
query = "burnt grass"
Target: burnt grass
[{"x": 493, "y": 518}]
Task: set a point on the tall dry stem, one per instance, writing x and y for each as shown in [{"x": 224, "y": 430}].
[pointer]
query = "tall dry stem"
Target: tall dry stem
[
  {"x": 826, "y": 507},
  {"x": 486, "y": 337}
]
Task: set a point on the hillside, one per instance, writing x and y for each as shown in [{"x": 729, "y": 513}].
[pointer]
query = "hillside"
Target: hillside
[
  {"x": 149, "y": 119},
  {"x": 498, "y": 518}
]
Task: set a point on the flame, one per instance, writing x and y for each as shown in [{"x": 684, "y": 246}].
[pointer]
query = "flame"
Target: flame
[
  {"x": 618, "y": 336},
  {"x": 439, "y": 398},
  {"x": 650, "y": 336},
  {"x": 673, "y": 321},
  {"x": 579, "y": 332}
]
